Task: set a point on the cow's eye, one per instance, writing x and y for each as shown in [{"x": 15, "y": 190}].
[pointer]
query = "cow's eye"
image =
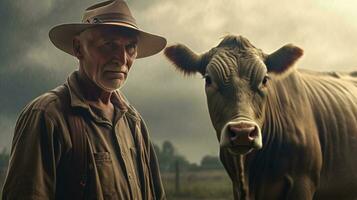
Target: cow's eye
[
  {"x": 208, "y": 80},
  {"x": 265, "y": 80}
]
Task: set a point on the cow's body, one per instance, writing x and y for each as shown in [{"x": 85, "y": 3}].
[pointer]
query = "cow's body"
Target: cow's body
[
  {"x": 296, "y": 135},
  {"x": 310, "y": 130}
]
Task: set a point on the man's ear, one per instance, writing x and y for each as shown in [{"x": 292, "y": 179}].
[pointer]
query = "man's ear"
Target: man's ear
[
  {"x": 283, "y": 59},
  {"x": 185, "y": 60},
  {"x": 77, "y": 48}
]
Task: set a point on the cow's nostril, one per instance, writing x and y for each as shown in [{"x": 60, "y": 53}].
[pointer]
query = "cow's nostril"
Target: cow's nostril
[
  {"x": 253, "y": 134},
  {"x": 231, "y": 134}
]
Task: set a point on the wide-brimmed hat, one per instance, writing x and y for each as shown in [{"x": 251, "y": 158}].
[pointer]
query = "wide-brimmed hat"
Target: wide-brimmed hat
[{"x": 113, "y": 13}]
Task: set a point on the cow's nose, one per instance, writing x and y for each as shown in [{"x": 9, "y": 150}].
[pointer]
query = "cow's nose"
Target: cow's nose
[{"x": 243, "y": 133}]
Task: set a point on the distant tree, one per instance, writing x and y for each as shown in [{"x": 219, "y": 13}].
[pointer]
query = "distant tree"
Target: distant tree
[
  {"x": 168, "y": 157},
  {"x": 183, "y": 162},
  {"x": 211, "y": 162},
  {"x": 168, "y": 148},
  {"x": 194, "y": 167}
]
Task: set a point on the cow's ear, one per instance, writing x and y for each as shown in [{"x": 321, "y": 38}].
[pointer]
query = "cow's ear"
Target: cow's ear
[
  {"x": 283, "y": 59},
  {"x": 184, "y": 59}
]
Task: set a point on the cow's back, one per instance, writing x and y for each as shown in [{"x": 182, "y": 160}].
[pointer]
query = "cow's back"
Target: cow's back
[{"x": 333, "y": 100}]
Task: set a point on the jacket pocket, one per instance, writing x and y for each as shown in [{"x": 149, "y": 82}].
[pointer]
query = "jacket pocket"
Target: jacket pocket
[{"x": 105, "y": 171}]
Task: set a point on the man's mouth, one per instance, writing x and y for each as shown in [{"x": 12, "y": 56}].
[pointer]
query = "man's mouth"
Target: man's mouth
[
  {"x": 116, "y": 74},
  {"x": 114, "y": 71}
]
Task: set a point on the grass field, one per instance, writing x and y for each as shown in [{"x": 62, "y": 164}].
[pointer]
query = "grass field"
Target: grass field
[{"x": 208, "y": 184}]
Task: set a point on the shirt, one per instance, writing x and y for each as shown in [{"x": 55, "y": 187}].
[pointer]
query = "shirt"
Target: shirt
[{"x": 123, "y": 164}]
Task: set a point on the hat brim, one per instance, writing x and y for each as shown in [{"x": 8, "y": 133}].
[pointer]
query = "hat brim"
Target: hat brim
[{"x": 62, "y": 37}]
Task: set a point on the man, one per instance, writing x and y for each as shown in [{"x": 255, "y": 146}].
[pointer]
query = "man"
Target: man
[{"x": 83, "y": 140}]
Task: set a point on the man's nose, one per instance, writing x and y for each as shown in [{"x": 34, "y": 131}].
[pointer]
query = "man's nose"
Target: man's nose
[{"x": 120, "y": 55}]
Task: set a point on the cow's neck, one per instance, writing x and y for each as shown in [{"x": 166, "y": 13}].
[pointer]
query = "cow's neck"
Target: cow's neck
[{"x": 283, "y": 104}]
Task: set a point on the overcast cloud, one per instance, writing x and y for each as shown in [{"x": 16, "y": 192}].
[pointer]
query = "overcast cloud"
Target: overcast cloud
[{"x": 173, "y": 106}]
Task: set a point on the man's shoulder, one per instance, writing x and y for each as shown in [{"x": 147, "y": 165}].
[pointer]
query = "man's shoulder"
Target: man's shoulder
[{"x": 48, "y": 102}]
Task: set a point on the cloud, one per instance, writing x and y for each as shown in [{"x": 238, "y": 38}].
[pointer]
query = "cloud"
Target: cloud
[
  {"x": 31, "y": 9},
  {"x": 6, "y": 126},
  {"x": 320, "y": 27}
]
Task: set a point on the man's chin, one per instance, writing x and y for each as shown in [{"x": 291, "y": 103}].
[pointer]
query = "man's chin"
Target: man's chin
[{"x": 112, "y": 87}]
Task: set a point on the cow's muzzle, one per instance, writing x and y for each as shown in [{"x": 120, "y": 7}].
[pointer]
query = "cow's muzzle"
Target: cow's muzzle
[{"x": 241, "y": 137}]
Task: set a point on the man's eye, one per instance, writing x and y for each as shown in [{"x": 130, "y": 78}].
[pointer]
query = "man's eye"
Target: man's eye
[
  {"x": 108, "y": 46},
  {"x": 131, "y": 48}
]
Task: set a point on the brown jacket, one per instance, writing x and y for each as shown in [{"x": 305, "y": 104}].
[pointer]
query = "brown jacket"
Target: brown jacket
[{"x": 122, "y": 163}]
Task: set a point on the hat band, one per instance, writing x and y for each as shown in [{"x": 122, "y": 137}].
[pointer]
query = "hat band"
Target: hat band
[{"x": 111, "y": 17}]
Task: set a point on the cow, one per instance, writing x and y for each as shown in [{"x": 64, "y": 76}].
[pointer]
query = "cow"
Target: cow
[{"x": 284, "y": 133}]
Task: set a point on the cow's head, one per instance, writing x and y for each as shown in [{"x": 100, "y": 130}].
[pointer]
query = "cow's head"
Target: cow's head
[{"x": 236, "y": 75}]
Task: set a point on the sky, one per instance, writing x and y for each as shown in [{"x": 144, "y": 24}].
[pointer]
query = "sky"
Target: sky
[{"x": 173, "y": 106}]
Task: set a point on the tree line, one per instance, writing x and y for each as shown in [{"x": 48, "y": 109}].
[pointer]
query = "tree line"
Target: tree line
[{"x": 168, "y": 158}]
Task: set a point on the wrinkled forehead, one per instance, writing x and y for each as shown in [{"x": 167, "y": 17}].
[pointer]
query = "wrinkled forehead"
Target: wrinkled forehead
[{"x": 235, "y": 55}]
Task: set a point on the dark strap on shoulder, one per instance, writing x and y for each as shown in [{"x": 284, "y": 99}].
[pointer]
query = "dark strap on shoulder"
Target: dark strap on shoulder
[
  {"x": 79, "y": 160},
  {"x": 77, "y": 165}
]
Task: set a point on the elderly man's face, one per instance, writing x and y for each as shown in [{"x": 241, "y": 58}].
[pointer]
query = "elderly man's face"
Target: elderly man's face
[{"x": 106, "y": 55}]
